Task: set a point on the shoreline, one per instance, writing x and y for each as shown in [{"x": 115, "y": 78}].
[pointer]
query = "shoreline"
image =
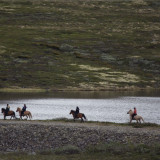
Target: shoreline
[
  {"x": 134, "y": 124},
  {"x": 41, "y": 90}
]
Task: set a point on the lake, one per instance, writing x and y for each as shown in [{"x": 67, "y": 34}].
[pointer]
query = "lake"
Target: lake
[{"x": 97, "y": 106}]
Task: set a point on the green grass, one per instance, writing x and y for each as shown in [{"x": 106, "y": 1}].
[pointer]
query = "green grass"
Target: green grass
[
  {"x": 134, "y": 125},
  {"x": 100, "y": 151},
  {"x": 33, "y": 33}
]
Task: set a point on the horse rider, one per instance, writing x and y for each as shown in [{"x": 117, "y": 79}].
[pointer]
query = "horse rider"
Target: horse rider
[
  {"x": 23, "y": 109},
  {"x": 134, "y": 112},
  {"x": 7, "y": 109},
  {"x": 77, "y": 111}
]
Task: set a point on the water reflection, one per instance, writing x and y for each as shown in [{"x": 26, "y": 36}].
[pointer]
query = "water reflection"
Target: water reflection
[{"x": 79, "y": 94}]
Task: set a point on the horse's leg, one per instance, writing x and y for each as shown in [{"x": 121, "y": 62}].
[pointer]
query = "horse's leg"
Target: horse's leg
[
  {"x": 29, "y": 116},
  {"x": 74, "y": 117},
  {"x": 82, "y": 120},
  {"x": 11, "y": 117},
  {"x": 130, "y": 119},
  {"x": 142, "y": 119},
  {"x": 14, "y": 116}
]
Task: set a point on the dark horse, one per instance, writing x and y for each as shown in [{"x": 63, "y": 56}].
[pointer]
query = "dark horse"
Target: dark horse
[
  {"x": 10, "y": 113},
  {"x": 79, "y": 115}
]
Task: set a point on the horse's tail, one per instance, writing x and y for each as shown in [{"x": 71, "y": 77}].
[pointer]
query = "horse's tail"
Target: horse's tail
[
  {"x": 84, "y": 116},
  {"x": 30, "y": 115},
  {"x": 14, "y": 114}
]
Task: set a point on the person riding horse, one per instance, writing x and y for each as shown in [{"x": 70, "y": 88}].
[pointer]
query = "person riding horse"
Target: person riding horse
[
  {"x": 7, "y": 109},
  {"x": 134, "y": 113},
  {"x": 23, "y": 109},
  {"x": 77, "y": 111}
]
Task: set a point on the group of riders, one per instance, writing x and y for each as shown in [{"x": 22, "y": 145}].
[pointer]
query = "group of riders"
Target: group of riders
[
  {"x": 76, "y": 112},
  {"x": 8, "y": 109},
  {"x": 24, "y": 109},
  {"x": 134, "y": 112}
]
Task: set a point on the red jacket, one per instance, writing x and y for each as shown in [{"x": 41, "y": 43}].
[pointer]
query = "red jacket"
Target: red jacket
[{"x": 135, "y": 111}]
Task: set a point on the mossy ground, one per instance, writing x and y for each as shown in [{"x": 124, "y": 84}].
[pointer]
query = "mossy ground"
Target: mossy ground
[
  {"x": 133, "y": 124},
  {"x": 111, "y": 151},
  {"x": 44, "y": 44}
]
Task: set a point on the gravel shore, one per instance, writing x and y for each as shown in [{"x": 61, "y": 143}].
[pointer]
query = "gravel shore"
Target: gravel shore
[{"x": 33, "y": 136}]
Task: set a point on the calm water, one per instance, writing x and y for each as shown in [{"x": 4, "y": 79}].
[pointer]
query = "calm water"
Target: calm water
[{"x": 97, "y": 106}]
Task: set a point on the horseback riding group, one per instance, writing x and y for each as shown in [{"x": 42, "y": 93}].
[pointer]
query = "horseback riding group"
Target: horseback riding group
[
  {"x": 22, "y": 112},
  {"x": 76, "y": 114}
]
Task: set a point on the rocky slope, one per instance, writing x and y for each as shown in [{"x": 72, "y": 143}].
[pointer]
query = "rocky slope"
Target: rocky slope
[{"x": 33, "y": 136}]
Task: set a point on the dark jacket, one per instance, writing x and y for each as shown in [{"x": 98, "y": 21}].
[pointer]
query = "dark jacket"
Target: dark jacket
[
  {"x": 24, "y": 108},
  {"x": 77, "y": 110}
]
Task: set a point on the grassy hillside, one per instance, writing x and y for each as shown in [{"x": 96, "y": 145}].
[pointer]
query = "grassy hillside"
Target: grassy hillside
[{"x": 88, "y": 45}]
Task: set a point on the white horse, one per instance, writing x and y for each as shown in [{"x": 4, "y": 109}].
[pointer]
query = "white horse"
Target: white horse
[{"x": 137, "y": 117}]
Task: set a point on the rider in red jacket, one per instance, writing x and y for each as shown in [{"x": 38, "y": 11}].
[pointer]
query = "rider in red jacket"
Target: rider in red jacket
[{"x": 134, "y": 112}]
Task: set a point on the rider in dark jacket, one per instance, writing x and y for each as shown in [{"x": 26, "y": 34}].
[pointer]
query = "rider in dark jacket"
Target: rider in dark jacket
[
  {"x": 77, "y": 111},
  {"x": 7, "y": 109},
  {"x": 23, "y": 109}
]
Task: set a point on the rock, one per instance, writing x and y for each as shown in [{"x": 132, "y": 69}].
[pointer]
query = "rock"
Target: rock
[
  {"x": 108, "y": 57},
  {"x": 66, "y": 48},
  {"x": 32, "y": 153}
]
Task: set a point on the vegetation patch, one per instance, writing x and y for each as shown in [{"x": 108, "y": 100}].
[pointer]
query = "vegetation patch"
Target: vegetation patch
[
  {"x": 109, "y": 42},
  {"x": 111, "y": 151}
]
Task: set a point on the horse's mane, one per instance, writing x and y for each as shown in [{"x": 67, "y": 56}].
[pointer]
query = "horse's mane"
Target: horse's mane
[
  {"x": 3, "y": 110},
  {"x": 73, "y": 111}
]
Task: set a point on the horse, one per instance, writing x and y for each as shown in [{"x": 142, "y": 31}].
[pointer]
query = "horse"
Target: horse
[
  {"x": 137, "y": 117},
  {"x": 79, "y": 115},
  {"x": 10, "y": 113},
  {"x": 26, "y": 113}
]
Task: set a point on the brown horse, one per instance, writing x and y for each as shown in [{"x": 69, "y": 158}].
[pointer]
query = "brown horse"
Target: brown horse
[
  {"x": 137, "y": 117},
  {"x": 79, "y": 115},
  {"x": 26, "y": 113},
  {"x": 10, "y": 113}
]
